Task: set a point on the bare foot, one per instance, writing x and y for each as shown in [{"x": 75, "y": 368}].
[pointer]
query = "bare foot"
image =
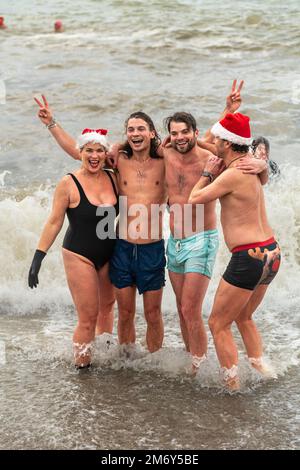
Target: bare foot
[
  {"x": 192, "y": 369},
  {"x": 83, "y": 366},
  {"x": 233, "y": 384},
  {"x": 264, "y": 369},
  {"x": 230, "y": 378},
  {"x": 82, "y": 354}
]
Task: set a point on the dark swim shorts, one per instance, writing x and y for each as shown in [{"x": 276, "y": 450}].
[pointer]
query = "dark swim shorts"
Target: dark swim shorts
[
  {"x": 139, "y": 265},
  {"x": 254, "y": 264}
]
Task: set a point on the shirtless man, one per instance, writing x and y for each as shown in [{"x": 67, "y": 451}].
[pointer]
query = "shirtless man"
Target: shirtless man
[
  {"x": 256, "y": 254},
  {"x": 193, "y": 241},
  {"x": 139, "y": 260}
]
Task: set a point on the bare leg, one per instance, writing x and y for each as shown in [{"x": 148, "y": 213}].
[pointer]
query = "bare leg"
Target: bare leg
[
  {"x": 83, "y": 282},
  {"x": 228, "y": 303},
  {"x": 177, "y": 284},
  {"x": 249, "y": 331},
  {"x": 155, "y": 328},
  {"x": 126, "y": 305},
  {"x": 193, "y": 292},
  {"x": 105, "y": 320}
]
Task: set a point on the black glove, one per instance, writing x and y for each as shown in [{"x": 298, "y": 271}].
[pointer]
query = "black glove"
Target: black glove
[{"x": 33, "y": 279}]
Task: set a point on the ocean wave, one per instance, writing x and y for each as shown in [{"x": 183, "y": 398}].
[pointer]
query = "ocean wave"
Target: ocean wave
[{"x": 21, "y": 220}]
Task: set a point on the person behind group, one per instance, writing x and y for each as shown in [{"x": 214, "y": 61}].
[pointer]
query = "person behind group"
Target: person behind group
[
  {"x": 260, "y": 148},
  {"x": 2, "y": 24},
  {"x": 89, "y": 197},
  {"x": 138, "y": 261},
  {"x": 255, "y": 253}
]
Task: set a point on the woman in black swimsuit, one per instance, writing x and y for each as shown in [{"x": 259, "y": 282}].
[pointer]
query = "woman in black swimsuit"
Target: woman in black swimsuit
[{"x": 89, "y": 198}]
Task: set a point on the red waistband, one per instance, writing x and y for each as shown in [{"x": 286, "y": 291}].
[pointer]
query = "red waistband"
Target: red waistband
[{"x": 253, "y": 245}]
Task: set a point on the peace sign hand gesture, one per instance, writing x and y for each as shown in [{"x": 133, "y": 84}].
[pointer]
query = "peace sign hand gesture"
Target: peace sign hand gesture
[
  {"x": 45, "y": 113},
  {"x": 234, "y": 100}
]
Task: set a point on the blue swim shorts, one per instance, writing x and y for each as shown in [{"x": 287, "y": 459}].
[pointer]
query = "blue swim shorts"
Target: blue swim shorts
[
  {"x": 139, "y": 265},
  {"x": 195, "y": 254}
]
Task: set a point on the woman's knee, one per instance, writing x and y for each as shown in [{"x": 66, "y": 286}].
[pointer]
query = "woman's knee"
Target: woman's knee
[
  {"x": 87, "y": 324},
  {"x": 107, "y": 306}
]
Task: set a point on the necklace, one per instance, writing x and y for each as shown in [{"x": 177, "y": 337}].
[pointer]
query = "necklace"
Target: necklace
[
  {"x": 237, "y": 158},
  {"x": 141, "y": 171},
  {"x": 141, "y": 161}
]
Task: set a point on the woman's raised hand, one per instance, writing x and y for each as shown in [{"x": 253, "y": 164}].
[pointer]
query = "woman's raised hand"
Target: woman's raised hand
[{"x": 45, "y": 114}]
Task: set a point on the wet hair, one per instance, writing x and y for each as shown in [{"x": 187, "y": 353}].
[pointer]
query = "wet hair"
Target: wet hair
[
  {"x": 187, "y": 118},
  {"x": 155, "y": 141},
  {"x": 240, "y": 148},
  {"x": 260, "y": 140}
]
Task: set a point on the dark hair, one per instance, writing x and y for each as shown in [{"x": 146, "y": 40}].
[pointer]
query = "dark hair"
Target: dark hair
[
  {"x": 240, "y": 148},
  {"x": 155, "y": 141},
  {"x": 260, "y": 140},
  {"x": 187, "y": 118}
]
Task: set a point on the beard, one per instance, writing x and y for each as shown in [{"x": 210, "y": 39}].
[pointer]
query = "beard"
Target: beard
[{"x": 187, "y": 148}]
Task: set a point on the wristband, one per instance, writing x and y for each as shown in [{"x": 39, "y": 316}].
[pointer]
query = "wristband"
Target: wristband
[
  {"x": 208, "y": 175},
  {"x": 51, "y": 124}
]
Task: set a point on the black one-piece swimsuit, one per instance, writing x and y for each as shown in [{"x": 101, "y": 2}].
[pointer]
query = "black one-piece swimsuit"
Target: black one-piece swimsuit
[{"x": 81, "y": 235}]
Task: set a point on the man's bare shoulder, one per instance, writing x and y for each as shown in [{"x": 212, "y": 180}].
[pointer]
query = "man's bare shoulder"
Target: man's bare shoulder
[
  {"x": 203, "y": 153},
  {"x": 169, "y": 152},
  {"x": 234, "y": 176},
  {"x": 124, "y": 163},
  {"x": 123, "y": 157}
]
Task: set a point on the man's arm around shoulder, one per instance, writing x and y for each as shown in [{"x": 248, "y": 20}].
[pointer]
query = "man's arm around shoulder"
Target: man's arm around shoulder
[{"x": 204, "y": 191}]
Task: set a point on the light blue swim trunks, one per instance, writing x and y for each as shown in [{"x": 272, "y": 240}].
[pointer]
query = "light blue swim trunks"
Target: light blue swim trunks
[{"x": 195, "y": 254}]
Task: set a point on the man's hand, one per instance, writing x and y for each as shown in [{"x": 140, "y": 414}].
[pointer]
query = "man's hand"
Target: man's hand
[
  {"x": 234, "y": 100},
  {"x": 252, "y": 165},
  {"x": 45, "y": 114},
  {"x": 215, "y": 166},
  {"x": 113, "y": 154},
  {"x": 166, "y": 143}
]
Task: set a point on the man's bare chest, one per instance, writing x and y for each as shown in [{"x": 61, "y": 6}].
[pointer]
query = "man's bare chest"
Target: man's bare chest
[
  {"x": 181, "y": 178},
  {"x": 141, "y": 179}
]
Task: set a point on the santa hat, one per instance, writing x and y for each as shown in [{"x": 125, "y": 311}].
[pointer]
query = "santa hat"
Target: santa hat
[
  {"x": 235, "y": 128},
  {"x": 95, "y": 136}
]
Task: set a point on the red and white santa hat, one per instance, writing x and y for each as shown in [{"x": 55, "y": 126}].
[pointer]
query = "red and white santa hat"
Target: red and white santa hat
[
  {"x": 94, "y": 136},
  {"x": 235, "y": 128}
]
